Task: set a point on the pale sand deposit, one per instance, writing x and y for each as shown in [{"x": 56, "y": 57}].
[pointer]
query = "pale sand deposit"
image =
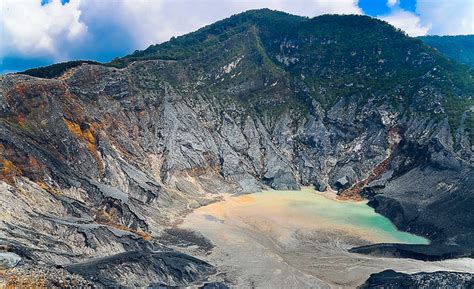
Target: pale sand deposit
[{"x": 299, "y": 239}]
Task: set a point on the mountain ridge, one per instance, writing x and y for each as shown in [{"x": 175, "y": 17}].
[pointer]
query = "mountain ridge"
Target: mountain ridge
[
  {"x": 457, "y": 47},
  {"x": 196, "y": 43},
  {"x": 118, "y": 154}
]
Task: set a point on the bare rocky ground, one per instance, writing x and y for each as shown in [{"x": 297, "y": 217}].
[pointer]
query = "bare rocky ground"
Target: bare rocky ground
[
  {"x": 41, "y": 277},
  {"x": 97, "y": 162},
  {"x": 390, "y": 279}
]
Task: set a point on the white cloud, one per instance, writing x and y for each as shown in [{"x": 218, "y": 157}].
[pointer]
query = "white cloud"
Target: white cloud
[
  {"x": 156, "y": 21},
  {"x": 29, "y": 28},
  {"x": 435, "y": 17},
  {"x": 144, "y": 21},
  {"x": 407, "y": 21},
  {"x": 313, "y": 8},
  {"x": 391, "y": 3},
  {"x": 448, "y": 17},
  {"x": 57, "y": 30}
]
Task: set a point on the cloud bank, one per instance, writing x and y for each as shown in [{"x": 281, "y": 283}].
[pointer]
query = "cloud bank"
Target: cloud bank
[
  {"x": 31, "y": 28},
  {"x": 435, "y": 17},
  {"x": 55, "y": 30},
  {"x": 448, "y": 17},
  {"x": 406, "y": 21}
]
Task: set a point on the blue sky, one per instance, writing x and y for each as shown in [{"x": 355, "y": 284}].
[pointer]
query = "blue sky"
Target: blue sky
[
  {"x": 40, "y": 32},
  {"x": 377, "y": 8}
]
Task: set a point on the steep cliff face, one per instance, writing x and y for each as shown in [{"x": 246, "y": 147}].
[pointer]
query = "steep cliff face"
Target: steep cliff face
[{"x": 100, "y": 159}]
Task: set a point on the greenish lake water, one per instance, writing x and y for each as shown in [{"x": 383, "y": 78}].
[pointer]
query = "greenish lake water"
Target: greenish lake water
[
  {"x": 285, "y": 211},
  {"x": 353, "y": 214}
]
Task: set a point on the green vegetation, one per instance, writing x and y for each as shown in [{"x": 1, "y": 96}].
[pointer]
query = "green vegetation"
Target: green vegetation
[
  {"x": 321, "y": 59},
  {"x": 470, "y": 124},
  {"x": 55, "y": 70},
  {"x": 459, "y": 47},
  {"x": 326, "y": 58},
  {"x": 194, "y": 44}
]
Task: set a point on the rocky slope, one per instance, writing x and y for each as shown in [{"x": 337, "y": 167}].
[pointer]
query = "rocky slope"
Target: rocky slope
[
  {"x": 389, "y": 279},
  {"x": 96, "y": 162}
]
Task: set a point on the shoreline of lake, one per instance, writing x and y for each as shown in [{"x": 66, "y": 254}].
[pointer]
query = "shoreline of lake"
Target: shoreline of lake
[{"x": 297, "y": 239}]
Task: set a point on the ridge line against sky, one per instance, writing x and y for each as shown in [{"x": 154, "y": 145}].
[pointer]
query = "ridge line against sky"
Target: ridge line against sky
[{"x": 40, "y": 32}]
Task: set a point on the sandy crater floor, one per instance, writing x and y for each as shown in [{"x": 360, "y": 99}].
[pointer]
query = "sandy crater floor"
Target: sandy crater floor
[{"x": 299, "y": 239}]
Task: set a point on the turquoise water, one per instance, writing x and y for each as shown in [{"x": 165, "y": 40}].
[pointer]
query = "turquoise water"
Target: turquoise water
[
  {"x": 307, "y": 210},
  {"x": 355, "y": 215}
]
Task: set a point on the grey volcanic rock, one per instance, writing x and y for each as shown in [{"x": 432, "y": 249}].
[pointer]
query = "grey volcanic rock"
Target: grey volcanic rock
[
  {"x": 9, "y": 260},
  {"x": 136, "y": 268},
  {"x": 416, "y": 199},
  {"x": 214, "y": 285},
  {"x": 390, "y": 279},
  {"x": 342, "y": 183},
  {"x": 98, "y": 161}
]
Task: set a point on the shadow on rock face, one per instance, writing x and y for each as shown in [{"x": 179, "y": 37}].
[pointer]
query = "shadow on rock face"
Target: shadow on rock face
[
  {"x": 390, "y": 279},
  {"x": 136, "y": 268}
]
